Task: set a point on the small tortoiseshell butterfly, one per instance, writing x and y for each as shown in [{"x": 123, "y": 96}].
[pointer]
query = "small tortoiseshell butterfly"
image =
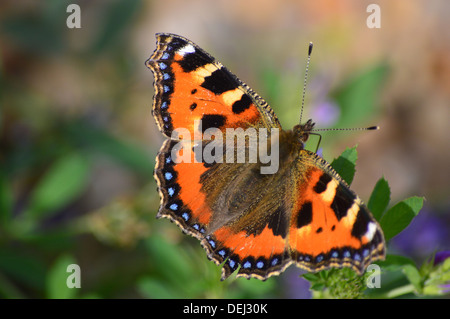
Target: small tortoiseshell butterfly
[{"x": 258, "y": 224}]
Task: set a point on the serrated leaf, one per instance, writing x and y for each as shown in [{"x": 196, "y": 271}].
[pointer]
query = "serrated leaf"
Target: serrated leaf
[
  {"x": 399, "y": 216},
  {"x": 317, "y": 287},
  {"x": 345, "y": 164},
  {"x": 311, "y": 277},
  {"x": 379, "y": 200},
  {"x": 57, "y": 279},
  {"x": 62, "y": 183}
]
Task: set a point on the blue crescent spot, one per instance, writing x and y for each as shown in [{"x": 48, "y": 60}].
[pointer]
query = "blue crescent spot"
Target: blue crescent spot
[
  {"x": 274, "y": 261},
  {"x": 162, "y": 65},
  {"x": 247, "y": 264},
  {"x": 185, "y": 216},
  {"x": 365, "y": 253},
  {"x": 173, "y": 207},
  {"x": 260, "y": 264},
  {"x": 168, "y": 176},
  {"x": 166, "y": 76},
  {"x": 164, "y": 105},
  {"x": 165, "y": 56},
  {"x": 171, "y": 191},
  {"x": 231, "y": 262}
]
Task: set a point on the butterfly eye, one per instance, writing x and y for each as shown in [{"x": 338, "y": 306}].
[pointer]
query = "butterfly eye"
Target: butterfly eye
[{"x": 305, "y": 137}]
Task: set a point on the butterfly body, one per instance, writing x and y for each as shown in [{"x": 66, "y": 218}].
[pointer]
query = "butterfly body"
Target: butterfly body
[{"x": 254, "y": 223}]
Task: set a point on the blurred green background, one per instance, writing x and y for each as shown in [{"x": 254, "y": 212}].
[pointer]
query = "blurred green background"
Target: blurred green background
[{"x": 78, "y": 142}]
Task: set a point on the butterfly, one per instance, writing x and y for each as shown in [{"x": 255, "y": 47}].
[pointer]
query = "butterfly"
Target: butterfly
[{"x": 248, "y": 221}]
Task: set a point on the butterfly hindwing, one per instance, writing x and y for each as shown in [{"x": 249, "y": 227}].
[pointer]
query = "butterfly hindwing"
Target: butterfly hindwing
[
  {"x": 313, "y": 219},
  {"x": 330, "y": 226}
]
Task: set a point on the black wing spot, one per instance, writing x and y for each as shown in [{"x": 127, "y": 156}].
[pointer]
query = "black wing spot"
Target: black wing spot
[
  {"x": 195, "y": 60},
  {"x": 322, "y": 183},
  {"x": 361, "y": 223},
  {"x": 220, "y": 81},
  {"x": 342, "y": 202},
  {"x": 278, "y": 223},
  {"x": 242, "y": 104},
  {"x": 304, "y": 217},
  {"x": 212, "y": 121}
]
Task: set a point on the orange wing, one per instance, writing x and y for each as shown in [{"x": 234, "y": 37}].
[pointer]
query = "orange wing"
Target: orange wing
[
  {"x": 190, "y": 85},
  {"x": 330, "y": 226}
]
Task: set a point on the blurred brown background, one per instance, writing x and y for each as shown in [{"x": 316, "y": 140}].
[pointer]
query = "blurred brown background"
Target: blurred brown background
[{"x": 87, "y": 91}]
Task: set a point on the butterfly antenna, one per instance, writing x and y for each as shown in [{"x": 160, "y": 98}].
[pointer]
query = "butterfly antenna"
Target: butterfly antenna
[
  {"x": 313, "y": 131},
  {"x": 310, "y": 47},
  {"x": 370, "y": 128}
]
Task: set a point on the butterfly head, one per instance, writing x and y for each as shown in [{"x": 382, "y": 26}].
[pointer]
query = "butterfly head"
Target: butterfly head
[{"x": 302, "y": 131}]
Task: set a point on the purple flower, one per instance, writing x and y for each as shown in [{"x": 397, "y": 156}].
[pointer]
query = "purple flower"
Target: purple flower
[
  {"x": 320, "y": 151},
  {"x": 445, "y": 288},
  {"x": 426, "y": 234},
  {"x": 441, "y": 256},
  {"x": 296, "y": 287},
  {"x": 325, "y": 113}
]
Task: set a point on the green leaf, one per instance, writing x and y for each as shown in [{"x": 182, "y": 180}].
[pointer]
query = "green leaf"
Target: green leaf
[
  {"x": 62, "y": 183},
  {"x": 379, "y": 200},
  {"x": 312, "y": 277},
  {"x": 413, "y": 275},
  {"x": 395, "y": 262},
  {"x": 400, "y": 215},
  {"x": 57, "y": 279},
  {"x": 345, "y": 164}
]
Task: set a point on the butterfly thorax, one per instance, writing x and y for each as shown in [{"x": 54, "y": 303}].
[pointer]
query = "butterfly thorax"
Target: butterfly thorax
[{"x": 293, "y": 141}]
